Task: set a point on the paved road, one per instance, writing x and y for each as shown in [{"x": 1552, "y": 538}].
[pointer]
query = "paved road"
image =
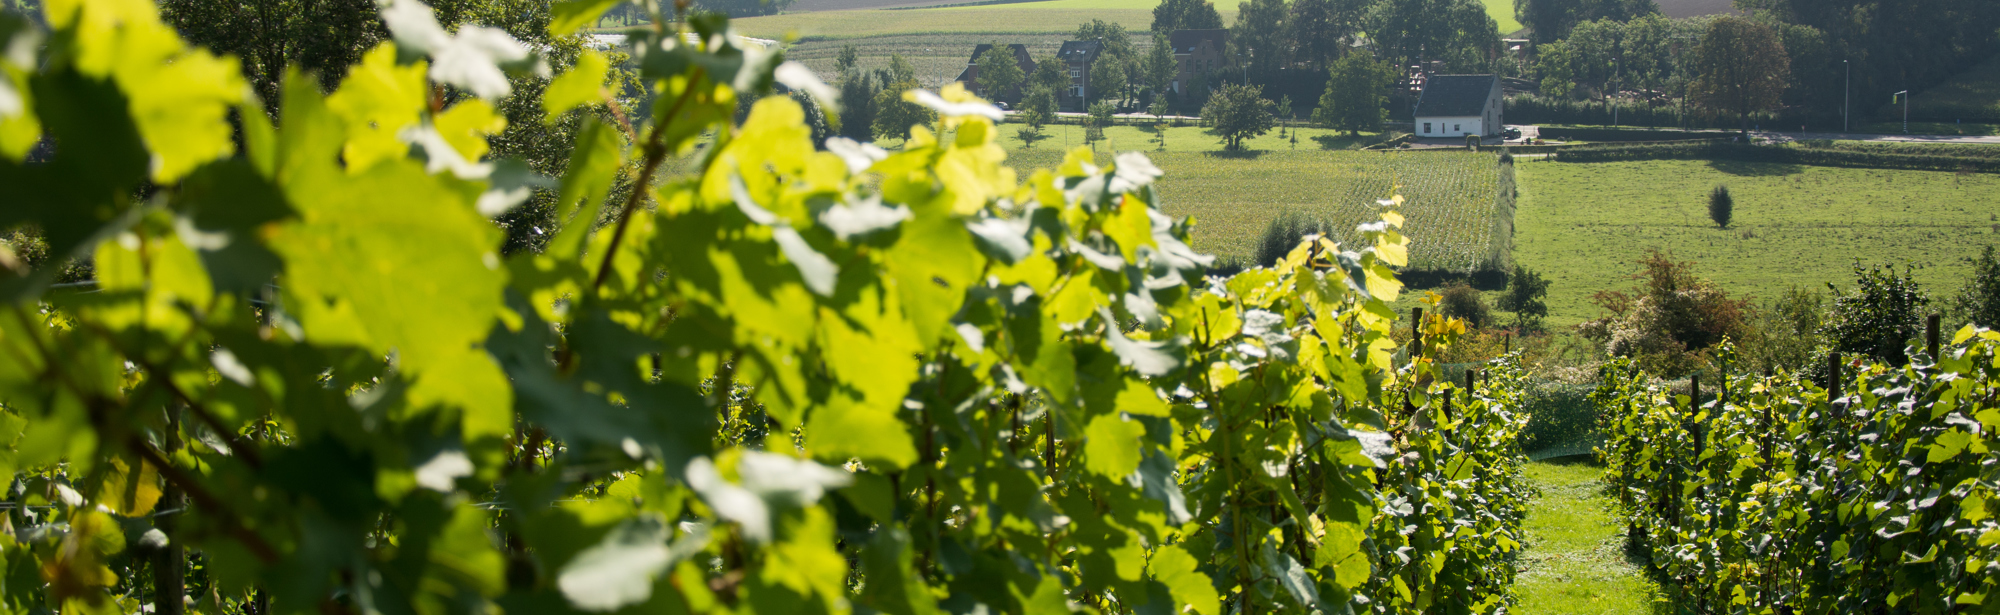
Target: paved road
[{"x": 1782, "y": 137}]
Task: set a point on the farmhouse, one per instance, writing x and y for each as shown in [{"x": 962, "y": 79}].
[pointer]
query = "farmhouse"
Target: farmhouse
[
  {"x": 1195, "y": 53},
  {"x": 1077, "y": 56},
  {"x": 1459, "y": 105},
  {"x": 970, "y": 77}
]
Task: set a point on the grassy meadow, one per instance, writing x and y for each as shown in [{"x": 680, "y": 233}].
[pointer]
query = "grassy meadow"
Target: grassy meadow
[
  {"x": 1232, "y": 197},
  {"x": 1583, "y": 224}
]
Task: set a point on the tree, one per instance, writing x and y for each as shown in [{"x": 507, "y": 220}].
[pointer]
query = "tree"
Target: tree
[
  {"x": 1320, "y": 30},
  {"x": 1050, "y": 74},
  {"x": 1259, "y": 39},
  {"x": 1236, "y": 111},
  {"x": 857, "y": 106},
  {"x": 1463, "y": 302},
  {"x": 1552, "y": 20},
  {"x": 1107, "y": 79},
  {"x": 1458, "y": 33},
  {"x": 1721, "y": 206},
  {"x": 893, "y": 115},
  {"x": 745, "y": 8},
  {"x": 1099, "y": 118},
  {"x": 999, "y": 73},
  {"x": 1879, "y": 316},
  {"x": 1979, "y": 301},
  {"x": 1160, "y": 67},
  {"x": 1526, "y": 291},
  {"x": 1740, "y": 68},
  {"x": 1556, "y": 68},
  {"x": 1355, "y": 94},
  {"x": 1038, "y": 106},
  {"x": 1594, "y": 61},
  {"x": 847, "y": 61},
  {"x": 1173, "y": 15}
]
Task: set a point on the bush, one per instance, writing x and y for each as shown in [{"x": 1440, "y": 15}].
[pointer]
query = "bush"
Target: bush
[
  {"x": 1721, "y": 206},
  {"x": 1979, "y": 301},
  {"x": 1670, "y": 320},
  {"x": 1881, "y": 314},
  {"x": 1524, "y": 297},
  {"x": 1472, "y": 142},
  {"x": 1462, "y": 301},
  {"x": 1283, "y": 234},
  {"x": 1784, "y": 333}
]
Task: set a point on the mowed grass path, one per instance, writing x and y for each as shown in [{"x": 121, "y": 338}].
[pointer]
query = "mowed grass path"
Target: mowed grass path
[
  {"x": 1583, "y": 225},
  {"x": 1575, "y": 561}
]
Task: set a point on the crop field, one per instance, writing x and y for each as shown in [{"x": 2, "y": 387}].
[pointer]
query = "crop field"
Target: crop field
[
  {"x": 937, "y": 42},
  {"x": 1449, "y": 207},
  {"x": 999, "y": 19},
  {"x": 1189, "y": 138},
  {"x": 938, "y": 58},
  {"x": 1583, "y": 224}
]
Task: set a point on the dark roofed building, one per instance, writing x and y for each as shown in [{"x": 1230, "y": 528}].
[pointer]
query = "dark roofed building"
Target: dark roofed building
[
  {"x": 970, "y": 76},
  {"x": 1196, "y": 52},
  {"x": 1077, "y": 56},
  {"x": 1459, "y": 105}
]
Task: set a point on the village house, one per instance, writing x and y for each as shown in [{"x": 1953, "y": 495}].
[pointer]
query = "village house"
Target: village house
[
  {"x": 1459, "y": 105},
  {"x": 970, "y": 76},
  {"x": 1196, "y": 52},
  {"x": 1077, "y": 57}
]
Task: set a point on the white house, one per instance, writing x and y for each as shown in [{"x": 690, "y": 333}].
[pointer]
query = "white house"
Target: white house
[{"x": 1459, "y": 105}]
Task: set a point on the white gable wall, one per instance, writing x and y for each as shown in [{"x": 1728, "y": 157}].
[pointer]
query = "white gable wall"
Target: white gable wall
[
  {"x": 1489, "y": 122},
  {"x": 1450, "y": 126}
]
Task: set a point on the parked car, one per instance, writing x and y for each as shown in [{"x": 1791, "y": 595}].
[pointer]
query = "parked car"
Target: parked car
[{"x": 1511, "y": 133}]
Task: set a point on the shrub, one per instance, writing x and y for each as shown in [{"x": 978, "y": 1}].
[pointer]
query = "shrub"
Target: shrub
[
  {"x": 1979, "y": 301},
  {"x": 1472, "y": 142},
  {"x": 1784, "y": 332},
  {"x": 1721, "y": 206},
  {"x": 1283, "y": 234},
  {"x": 1884, "y": 311},
  {"x": 1524, "y": 297},
  {"x": 1668, "y": 322},
  {"x": 1463, "y": 301}
]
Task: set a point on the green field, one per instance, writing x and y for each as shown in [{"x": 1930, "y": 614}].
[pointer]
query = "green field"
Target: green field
[
  {"x": 1502, "y": 12},
  {"x": 1583, "y": 224},
  {"x": 1233, "y": 198}
]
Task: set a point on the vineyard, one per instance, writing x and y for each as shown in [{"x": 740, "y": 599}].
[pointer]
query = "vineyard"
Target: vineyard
[
  {"x": 1451, "y": 209},
  {"x": 775, "y": 379},
  {"x": 1773, "y": 494}
]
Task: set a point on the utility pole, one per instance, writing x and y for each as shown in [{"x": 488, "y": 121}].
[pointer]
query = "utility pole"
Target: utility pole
[{"x": 1846, "y": 92}]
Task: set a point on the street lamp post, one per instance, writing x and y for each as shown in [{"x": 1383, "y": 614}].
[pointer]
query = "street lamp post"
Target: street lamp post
[{"x": 1905, "y": 95}]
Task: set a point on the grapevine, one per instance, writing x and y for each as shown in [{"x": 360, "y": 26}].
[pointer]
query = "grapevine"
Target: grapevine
[{"x": 777, "y": 379}]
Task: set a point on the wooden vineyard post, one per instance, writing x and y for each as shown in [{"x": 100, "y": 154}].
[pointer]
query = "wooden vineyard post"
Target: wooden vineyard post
[
  {"x": 1470, "y": 375},
  {"x": 1931, "y": 335},
  {"x": 1832, "y": 376},
  {"x": 1694, "y": 408},
  {"x": 1416, "y": 333}
]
